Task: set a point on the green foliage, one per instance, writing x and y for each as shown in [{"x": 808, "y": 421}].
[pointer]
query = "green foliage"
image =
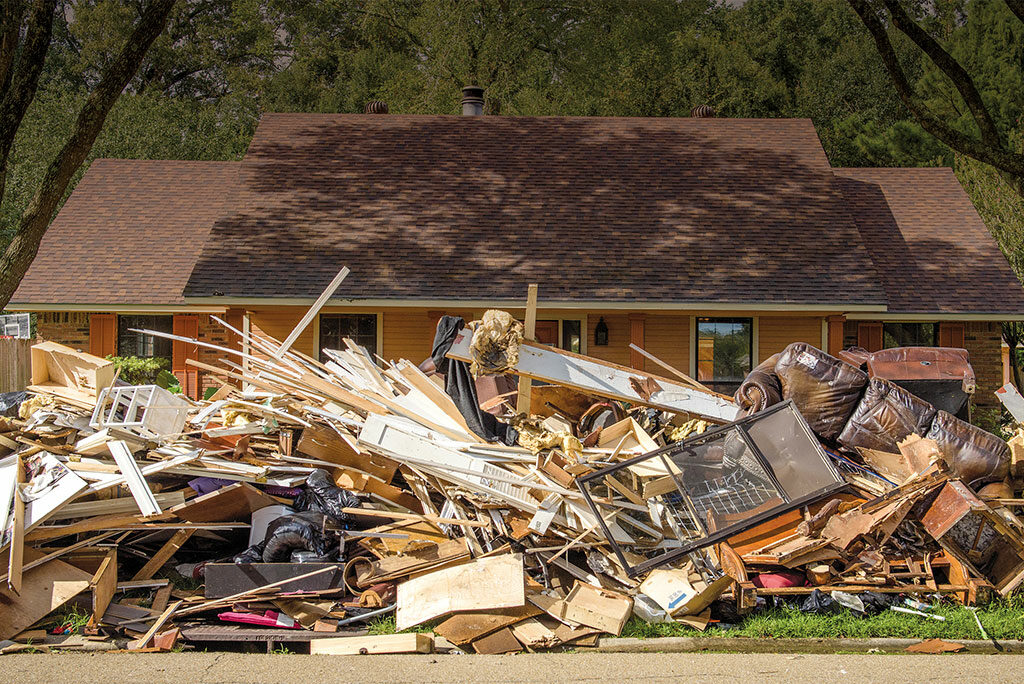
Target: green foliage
[
  {"x": 220, "y": 63},
  {"x": 169, "y": 381},
  {"x": 137, "y": 370}
]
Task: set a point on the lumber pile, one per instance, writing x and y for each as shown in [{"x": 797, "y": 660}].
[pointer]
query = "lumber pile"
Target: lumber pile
[{"x": 306, "y": 498}]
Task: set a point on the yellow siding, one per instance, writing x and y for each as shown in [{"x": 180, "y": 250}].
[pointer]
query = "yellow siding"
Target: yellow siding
[
  {"x": 277, "y": 322},
  {"x": 774, "y": 333},
  {"x": 668, "y": 338},
  {"x": 617, "y": 350},
  {"x": 409, "y": 333}
]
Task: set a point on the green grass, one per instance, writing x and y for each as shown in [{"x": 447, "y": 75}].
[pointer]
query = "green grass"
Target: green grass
[
  {"x": 72, "y": 618},
  {"x": 1001, "y": 619},
  {"x": 385, "y": 624}
]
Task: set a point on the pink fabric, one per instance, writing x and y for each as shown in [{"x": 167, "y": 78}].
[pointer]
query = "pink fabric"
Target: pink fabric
[
  {"x": 778, "y": 580},
  {"x": 268, "y": 619}
]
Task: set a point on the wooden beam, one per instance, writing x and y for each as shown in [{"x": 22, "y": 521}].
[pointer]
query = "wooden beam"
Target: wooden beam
[
  {"x": 104, "y": 586},
  {"x": 137, "y": 484},
  {"x": 166, "y": 551},
  {"x": 414, "y": 516},
  {"x": 523, "y": 400},
  {"x": 311, "y": 313},
  {"x": 671, "y": 369},
  {"x": 16, "y": 553}
]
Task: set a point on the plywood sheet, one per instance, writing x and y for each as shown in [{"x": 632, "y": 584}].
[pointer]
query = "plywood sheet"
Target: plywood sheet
[
  {"x": 236, "y": 502},
  {"x": 483, "y": 584}
]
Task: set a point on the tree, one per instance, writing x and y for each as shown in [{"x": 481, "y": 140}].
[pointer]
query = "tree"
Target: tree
[
  {"x": 977, "y": 133},
  {"x": 23, "y": 47}
]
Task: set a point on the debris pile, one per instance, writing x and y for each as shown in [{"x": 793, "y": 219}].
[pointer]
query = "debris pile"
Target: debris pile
[{"x": 303, "y": 500}]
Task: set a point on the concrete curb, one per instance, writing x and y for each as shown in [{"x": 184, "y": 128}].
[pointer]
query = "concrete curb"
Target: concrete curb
[{"x": 748, "y": 645}]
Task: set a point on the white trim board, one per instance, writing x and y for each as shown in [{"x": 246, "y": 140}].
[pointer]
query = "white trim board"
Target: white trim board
[{"x": 605, "y": 379}]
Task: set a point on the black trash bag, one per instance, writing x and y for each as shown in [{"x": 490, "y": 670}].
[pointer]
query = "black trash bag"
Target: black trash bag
[
  {"x": 323, "y": 496},
  {"x": 9, "y": 403},
  {"x": 299, "y": 531},
  {"x": 460, "y": 386},
  {"x": 875, "y": 603},
  {"x": 820, "y": 603},
  {"x": 253, "y": 554}
]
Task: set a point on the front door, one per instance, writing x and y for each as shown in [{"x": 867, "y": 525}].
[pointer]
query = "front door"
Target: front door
[{"x": 547, "y": 333}]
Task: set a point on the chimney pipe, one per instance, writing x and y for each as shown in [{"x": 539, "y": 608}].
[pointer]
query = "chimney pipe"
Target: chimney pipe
[{"x": 472, "y": 101}]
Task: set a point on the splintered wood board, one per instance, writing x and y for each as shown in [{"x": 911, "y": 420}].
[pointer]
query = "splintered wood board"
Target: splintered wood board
[
  {"x": 235, "y": 502},
  {"x": 483, "y": 584},
  {"x": 384, "y": 643},
  {"x": 463, "y": 628},
  {"x": 44, "y": 589},
  {"x": 605, "y": 379}
]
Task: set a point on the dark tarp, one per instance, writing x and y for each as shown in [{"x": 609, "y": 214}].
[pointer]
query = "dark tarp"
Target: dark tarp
[{"x": 460, "y": 386}]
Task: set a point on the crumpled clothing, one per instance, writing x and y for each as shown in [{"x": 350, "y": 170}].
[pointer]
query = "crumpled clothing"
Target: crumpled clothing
[
  {"x": 535, "y": 437},
  {"x": 495, "y": 343}
]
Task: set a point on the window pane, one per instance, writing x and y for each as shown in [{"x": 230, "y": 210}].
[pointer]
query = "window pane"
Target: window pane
[
  {"x": 908, "y": 335},
  {"x": 571, "y": 336},
  {"x": 146, "y": 346},
  {"x": 360, "y": 328},
  {"x": 724, "y": 352}
]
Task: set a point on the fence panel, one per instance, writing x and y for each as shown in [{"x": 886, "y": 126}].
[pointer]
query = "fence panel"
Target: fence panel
[{"x": 15, "y": 363}]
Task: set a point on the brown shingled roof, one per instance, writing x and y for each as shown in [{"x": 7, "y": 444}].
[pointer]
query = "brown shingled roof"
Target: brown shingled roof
[
  {"x": 592, "y": 209},
  {"x": 928, "y": 242},
  {"x": 130, "y": 233}
]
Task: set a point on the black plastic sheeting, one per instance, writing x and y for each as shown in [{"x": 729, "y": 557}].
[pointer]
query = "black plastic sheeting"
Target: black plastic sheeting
[
  {"x": 323, "y": 496},
  {"x": 460, "y": 386},
  {"x": 9, "y": 403}
]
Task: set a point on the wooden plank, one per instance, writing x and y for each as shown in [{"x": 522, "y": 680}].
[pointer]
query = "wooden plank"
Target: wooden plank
[
  {"x": 484, "y": 584},
  {"x": 137, "y": 484},
  {"x": 596, "y": 607},
  {"x": 104, "y": 586},
  {"x": 16, "y": 550},
  {"x": 103, "y": 522},
  {"x": 143, "y": 642},
  {"x": 43, "y": 590},
  {"x": 162, "y": 596},
  {"x": 311, "y": 313},
  {"x": 605, "y": 379},
  {"x": 120, "y": 505},
  {"x": 60, "y": 552},
  {"x": 418, "y": 379},
  {"x": 394, "y": 515},
  {"x": 523, "y": 398},
  {"x": 463, "y": 628},
  {"x": 671, "y": 369},
  {"x": 325, "y": 444},
  {"x": 365, "y": 645},
  {"x": 235, "y": 502},
  {"x": 163, "y": 555},
  {"x": 502, "y": 641}
]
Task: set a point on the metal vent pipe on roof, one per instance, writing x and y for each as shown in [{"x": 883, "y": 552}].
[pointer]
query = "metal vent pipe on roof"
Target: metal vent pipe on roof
[
  {"x": 376, "y": 107},
  {"x": 472, "y": 101}
]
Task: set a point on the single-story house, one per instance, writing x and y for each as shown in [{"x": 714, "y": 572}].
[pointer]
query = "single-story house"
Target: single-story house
[{"x": 711, "y": 242}]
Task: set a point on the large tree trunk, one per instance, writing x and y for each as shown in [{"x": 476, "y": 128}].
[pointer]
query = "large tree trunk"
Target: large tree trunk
[{"x": 36, "y": 217}]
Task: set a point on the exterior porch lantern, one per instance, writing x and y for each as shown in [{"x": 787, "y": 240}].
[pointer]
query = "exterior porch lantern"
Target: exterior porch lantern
[{"x": 601, "y": 333}]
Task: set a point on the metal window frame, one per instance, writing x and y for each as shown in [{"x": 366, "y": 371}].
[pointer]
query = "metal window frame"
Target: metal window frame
[{"x": 730, "y": 530}]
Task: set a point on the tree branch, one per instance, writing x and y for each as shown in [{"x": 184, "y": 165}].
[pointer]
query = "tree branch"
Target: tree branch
[
  {"x": 953, "y": 70},
  {"x": 24, "y": 79},
  {"x": 995, "y": 155},
  {"x": 115, "y": 76},
  {"x": 1017, "y": 7}
]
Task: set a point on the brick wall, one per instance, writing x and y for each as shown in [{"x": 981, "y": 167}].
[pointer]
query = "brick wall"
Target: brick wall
[
  {"x": 212, "y": 332},
  {"x": 983, "y": 341},
  {"x": 70, "y": 328}
]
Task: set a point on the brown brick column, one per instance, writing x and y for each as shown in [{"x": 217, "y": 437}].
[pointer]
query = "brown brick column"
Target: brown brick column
[{"x": 983, "y": 341}]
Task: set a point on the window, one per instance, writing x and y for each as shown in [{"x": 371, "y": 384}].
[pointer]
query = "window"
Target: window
[
  {"x": 360, "y": 328},
  {"x": 724, "y": 350},
  {"x": 571, "y": 336},
  {"x": 909, "y": 335},
  {"x": 138, "y": 344}
]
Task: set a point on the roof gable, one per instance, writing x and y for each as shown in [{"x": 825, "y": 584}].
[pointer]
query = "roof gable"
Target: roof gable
[{"x": 933, "y": 251}]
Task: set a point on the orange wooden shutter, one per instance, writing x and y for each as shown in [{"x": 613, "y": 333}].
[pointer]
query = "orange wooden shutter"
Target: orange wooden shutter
[
  {"x": 103, "y": 335},
  {"x": 186, "y": 325},
  {"x": 869, "y": 336},
  {"x": 951, "y": 335}
]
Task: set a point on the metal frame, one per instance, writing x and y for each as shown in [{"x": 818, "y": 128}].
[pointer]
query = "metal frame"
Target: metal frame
[{"x": 708, "y": 539}]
